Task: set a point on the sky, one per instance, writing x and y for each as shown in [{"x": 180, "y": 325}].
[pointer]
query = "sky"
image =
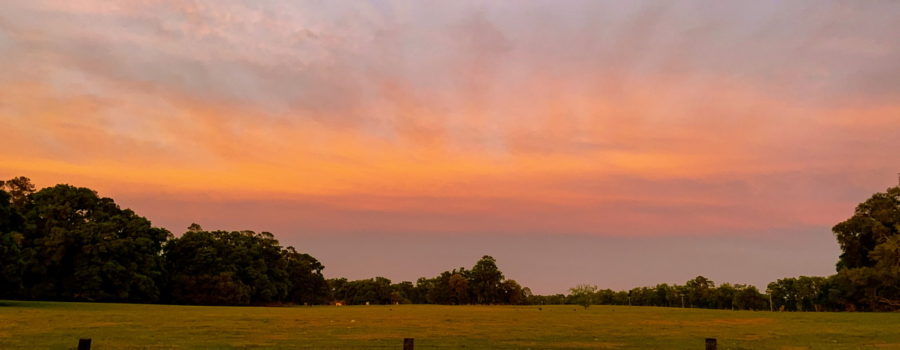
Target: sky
[{"x": 616, "y": 143}]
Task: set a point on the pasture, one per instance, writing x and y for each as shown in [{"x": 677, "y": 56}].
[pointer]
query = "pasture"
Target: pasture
[{"x": 59, "y": 325}]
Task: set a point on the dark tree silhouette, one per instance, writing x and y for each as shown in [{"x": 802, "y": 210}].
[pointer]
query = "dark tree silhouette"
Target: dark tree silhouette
[{"x": 79, "y": 246}]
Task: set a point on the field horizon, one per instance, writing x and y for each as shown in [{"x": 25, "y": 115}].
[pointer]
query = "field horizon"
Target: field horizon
[{"x": 59, "y": 325}]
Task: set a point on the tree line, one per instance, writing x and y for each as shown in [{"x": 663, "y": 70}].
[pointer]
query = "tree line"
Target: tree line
[
  {"x": 788, "y": 294},
  {"x": 867, "y": 278},
  {"x": 483, "y": 284},
  {"x": 699, "y": 292},
  {"x": 68, "y": 243}
]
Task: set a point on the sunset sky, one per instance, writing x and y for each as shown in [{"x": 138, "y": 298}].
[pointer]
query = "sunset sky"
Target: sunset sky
[{"x": 617, "y": 143}]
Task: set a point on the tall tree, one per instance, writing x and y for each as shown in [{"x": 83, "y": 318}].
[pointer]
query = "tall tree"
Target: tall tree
[
  {"x": 873, "y": 222},
  {"x": 240, "y": 268},
  {"x": 512, "y": 293},
  {"x": 583, "y": 294},
  {"x": 77, "y": 245},
  {"x": 228, "y": 268},
  {"x": 868, "y": 274},
  {"x": 11, "y": 265},
  {"x": 19, "y": 188},
  {"x": 700, "y": 292},
  {"x": 887, "y": 267},
  {"x": 308, "y": 285},
  {"x": 486, "y": 279}
]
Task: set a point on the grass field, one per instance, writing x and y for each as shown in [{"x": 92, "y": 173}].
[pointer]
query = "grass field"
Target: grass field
[{"x": 42, "y": 325}]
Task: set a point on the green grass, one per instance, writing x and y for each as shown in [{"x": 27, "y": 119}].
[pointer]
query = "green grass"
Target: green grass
[{"x": 41, "y": 325}]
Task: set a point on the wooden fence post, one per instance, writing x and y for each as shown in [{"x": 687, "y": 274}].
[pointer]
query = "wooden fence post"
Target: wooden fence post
[
  {"x": 711, "y": 344},
  {"x": 408, "y": 344},
  {"x": 84, "y": 344}
]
